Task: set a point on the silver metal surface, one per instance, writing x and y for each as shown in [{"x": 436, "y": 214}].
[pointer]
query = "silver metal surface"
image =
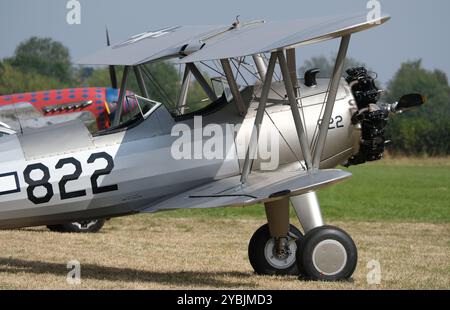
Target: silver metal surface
[
  {"x": 233, "y": 87},
  {"x": 184, "y": 90},
  {"x": 258, "y": 189},
  {"x": 258, "y": 120},
  {"x": 302, "y": 138},
  {"x": 75, "y": 131},
  {"x": 4, "y": 125},
  {"x": 280, "y": 261},
  {"x": 292, "y": 65},
  {"x": 329, "y": 257},
  {"x": 325, "y": 123},
  {"x": 341, "y": 142},
  {"x": 227, "y": 42},
  {"x": 274, "y": 36},
  {"x": 260, "y": 66},
  {"x": 147, "y": 47},
  {"x": 6, "y": 131},
  {"x": 308, "y": 212}
]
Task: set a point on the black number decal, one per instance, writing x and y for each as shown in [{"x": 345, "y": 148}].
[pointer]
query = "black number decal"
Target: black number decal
[
  {"x": 11, "y": 190},
  {"x": 339, "y": 120},
  {"x": 331, "y": 124},
  {"x": 44, "y": 181},
  {"x": 33, "y": 184},
  {"x": 70, "y": 177},
  {"x": 94, "y": 178}
]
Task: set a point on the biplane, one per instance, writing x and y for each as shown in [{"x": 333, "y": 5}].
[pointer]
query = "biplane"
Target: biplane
[{"x": 63, "y": 173}]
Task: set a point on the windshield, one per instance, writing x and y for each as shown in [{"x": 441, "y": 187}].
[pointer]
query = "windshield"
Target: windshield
[{"x": 134, "y": 110}]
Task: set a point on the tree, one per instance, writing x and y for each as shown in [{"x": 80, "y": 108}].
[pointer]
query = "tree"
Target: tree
[
  {"x": 43, "y": 56},
  {"x": 326, "y": 65},
  {"x": 16, "y": 81},
  {"x": 424, "y": 131}
]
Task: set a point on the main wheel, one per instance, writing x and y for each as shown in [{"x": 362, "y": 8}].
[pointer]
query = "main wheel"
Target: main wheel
[
  {"x": 91, "y": 226},
  {"x": 327, "y": 254},
  {"x": 265, "y": 260}
]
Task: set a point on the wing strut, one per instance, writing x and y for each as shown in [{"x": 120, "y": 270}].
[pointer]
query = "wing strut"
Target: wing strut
[
  {"x": 260, "y": 66},
  {"x": 288, "y": 72},
  {"x": 335, "y": 80},
  {"x": 233, "y": 86},
  {"x": 184, "y": 91},
  {"x": 302, "y": 138},
  {"x": 292, "y": 65},
  {"x": 112, "y": 69},
  {"x": 122, "y": 91},
  {"x": 258, "y": 119},
  {"x": 140, "y": 81},
  {"x": 202, "y": 81}
]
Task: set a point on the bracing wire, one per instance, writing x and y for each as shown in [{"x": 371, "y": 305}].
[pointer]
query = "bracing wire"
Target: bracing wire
[
  {"x": 315, "y": 135},
  {"x": 159, "y": 88},
  {"x": 211, "y": 68},
  {"x": 285, "y": 140},
  {"x": 258, "y": 78},
  {"x": 238, "y": 72}
]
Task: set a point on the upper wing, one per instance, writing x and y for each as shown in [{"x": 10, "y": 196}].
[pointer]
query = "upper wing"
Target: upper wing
[
  {"x": 268, "y": 37},
  {"x": 221, "y": 42},
  {"x": 149, "y": 46},
  {"x": 260, "y": 187}
]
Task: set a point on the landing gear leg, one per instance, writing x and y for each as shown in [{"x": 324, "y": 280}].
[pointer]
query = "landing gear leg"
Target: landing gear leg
[
  {"x": 308, "y": 211},
  {"x": 272, "y": 249},
  {"x": 326, "y": 253}
]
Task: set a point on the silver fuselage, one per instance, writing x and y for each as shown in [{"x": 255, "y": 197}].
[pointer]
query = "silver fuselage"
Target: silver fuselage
[{"x": 59, "y": 166}]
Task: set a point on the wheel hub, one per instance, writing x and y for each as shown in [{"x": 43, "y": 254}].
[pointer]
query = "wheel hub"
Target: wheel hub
[
  {"x": 280, "y": 252},
  {"x": 85, "y": 224},
  {"x": 329, "y": 257}
]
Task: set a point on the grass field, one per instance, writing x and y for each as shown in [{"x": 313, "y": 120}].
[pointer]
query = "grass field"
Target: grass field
[
  {"x": 405, "y": 190},
  {"x": 398, "y": 213}
]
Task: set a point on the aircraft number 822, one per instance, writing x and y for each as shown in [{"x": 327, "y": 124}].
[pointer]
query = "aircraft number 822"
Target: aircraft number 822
[{"x": 44, "y": 181}]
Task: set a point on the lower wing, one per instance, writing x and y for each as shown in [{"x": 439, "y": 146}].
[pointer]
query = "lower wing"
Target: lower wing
[{"x": 260, "y": 187}]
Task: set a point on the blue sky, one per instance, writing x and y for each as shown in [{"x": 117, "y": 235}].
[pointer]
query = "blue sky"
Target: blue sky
[{"x": 418, "y": 29}]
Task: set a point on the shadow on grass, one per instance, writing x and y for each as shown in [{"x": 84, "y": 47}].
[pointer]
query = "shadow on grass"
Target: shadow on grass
[{"x": 116, "y": 274}]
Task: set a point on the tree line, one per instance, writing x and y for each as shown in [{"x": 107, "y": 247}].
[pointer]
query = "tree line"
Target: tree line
[{"x": 43, "y": 64}]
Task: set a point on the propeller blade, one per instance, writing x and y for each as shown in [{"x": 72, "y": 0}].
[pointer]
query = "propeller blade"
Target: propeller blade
[
  {"x": 112, "y": 69},
  {"x": 408, "y": 102}
]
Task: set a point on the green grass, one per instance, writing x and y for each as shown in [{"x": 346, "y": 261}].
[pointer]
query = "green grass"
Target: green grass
[{"x": 395, "y": 191}]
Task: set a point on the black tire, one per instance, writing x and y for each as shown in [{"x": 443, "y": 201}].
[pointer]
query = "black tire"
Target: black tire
[
  {"x": 92, "y": 226},
  {"x": 257, "y": 253},
  {"x": 333, "y": 240}
]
